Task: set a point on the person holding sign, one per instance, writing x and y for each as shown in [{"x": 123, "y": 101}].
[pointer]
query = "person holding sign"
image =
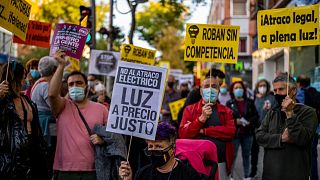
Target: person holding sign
[
  {"x": 163, "y": 163},
  {"x": 22, "y": 146},
  {"x": 286, "y": 133},
  {"x": 76, "y": 116},
  {"x": 207, "y": 119}
]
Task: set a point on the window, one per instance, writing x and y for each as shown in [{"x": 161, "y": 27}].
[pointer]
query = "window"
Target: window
[
  {"x": 239, "y": 7},
  {"x": 243, "y": 45}
]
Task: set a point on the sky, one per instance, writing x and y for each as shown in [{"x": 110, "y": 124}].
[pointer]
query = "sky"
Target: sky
[{"x": 199, "y": 15}]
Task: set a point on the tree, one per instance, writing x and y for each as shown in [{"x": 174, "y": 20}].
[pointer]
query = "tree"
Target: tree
[
  {"x": 68, "y": 12},
  {"x": 55, "y": 11},
  {"x": 156, "y": 17},
  {"x": 161, "y": 25}
]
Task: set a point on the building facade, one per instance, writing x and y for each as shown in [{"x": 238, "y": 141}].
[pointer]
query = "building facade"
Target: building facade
[
  {"x": 236, "y": 12},
  {"x": 267, "y": 63}
]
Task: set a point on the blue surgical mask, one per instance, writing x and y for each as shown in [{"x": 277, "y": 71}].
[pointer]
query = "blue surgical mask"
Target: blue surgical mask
[
  {"x": 238, "y": 93},
  {"x": 35, "y": 74},
  {"x": 210, "y": 93},
  {"x": 76, "y": 93},
  {"x": 223, "y": 90}
]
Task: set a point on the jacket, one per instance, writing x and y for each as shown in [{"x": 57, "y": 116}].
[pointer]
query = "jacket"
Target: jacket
[
  {"x": 284, "y": 161},
  {"x": 190, "y": 127},
  {"x": 250, "y": 114},
  {"x": 110, "y": 154},
  {"x": 22, "y": 155}
]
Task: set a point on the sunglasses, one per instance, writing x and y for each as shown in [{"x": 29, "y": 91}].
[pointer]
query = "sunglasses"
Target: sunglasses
[{"x": 156, "y": 152}]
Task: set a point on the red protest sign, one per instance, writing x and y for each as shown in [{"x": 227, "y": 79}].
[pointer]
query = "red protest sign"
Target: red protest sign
[{"x": 38, "y": 34}]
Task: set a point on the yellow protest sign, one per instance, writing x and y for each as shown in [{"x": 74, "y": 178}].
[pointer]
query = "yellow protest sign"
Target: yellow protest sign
[
  {"x": 235, "y": 79},
  {"x": 84, "y": 22},
  {"x": 212, "y": 43},
  {"x": 131, "y": 53},
  {"x": 203, "y": 73},
  {"x": 14, "y": 16},
  {"x": 72, "y": 65},
  {"x": 165, "y": 64},
  {"x": 288, "y": 27},
  {"x": 175, "y": 108}
]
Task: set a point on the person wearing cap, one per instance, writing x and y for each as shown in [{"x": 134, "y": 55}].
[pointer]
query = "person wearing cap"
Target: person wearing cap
[
  {"x": 163, "y": 165},
  {"x": 286, "y": 133}
]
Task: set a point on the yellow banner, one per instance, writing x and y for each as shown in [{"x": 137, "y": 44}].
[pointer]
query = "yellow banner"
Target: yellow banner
[
  {"x": 203, "y": 73},
  {"x": 175, "y": 108},
  {"x": 165, "y": 64},
  {"x": 14, "y": 16},
  {"x": 131, "y": 53},
  {"x": 288, "y": 27},
  {"x": 72, "y": 65},
  {"x": 212, "y": 43},
  {"x": 235, "y": 79}
]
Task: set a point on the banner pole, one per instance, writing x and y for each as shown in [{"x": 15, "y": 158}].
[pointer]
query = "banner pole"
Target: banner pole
[
  {"x": 9, "y": 58},
  {"x": 129, "y": 149},
  {"x": 210, "y": 72},
  {"x": 288, "y": 77}
]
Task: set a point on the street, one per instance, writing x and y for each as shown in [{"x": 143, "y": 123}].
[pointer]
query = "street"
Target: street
[{"x": 238, "y": 173}]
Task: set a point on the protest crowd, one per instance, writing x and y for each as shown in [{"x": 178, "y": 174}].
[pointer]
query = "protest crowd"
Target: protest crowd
[
  {"x": 55, "y": 142},
  {"x": 58, "y": 125}
]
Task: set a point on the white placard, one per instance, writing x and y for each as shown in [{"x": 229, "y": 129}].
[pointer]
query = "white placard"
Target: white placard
[
  {"x": 186, "y": 78},
  {"x": 136, "y": 100},
  {"x": 103, "y": 62}
]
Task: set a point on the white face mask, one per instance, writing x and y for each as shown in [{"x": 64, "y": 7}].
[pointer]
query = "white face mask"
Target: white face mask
[
  {"x": 262, "y": 90},
  {"x": 99, "y": 87}
]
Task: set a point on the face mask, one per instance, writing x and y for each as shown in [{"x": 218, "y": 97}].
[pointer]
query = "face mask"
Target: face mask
[
  {"x": 76, "y": 93},
  {"x": 90, "y": 84},
  {"x": 170, "y": 84},
  {"x": 210, "y": 93},
  {"x": 158, "y": 157},
  {"x": 160, "y": 160},
  {"x": 34, "y": 74},
  {"x": 99, "y": 87},
  {"x": 238, "y": 93},
  {"x": 279, "y": 98},
  {"x": 262, "y": 90},
  {"x": 184, "y": 93},
  {"x": 223, "y": 90}
]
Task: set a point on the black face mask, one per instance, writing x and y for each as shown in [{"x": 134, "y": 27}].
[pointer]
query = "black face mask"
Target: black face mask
[
  {"x": 158, "y": 157},
  {"x": 184, "y": 93},
  {"x": 279, "y": 98},
  {"x": 170, "y": 84},
  {"x": 159, "y": 160}
]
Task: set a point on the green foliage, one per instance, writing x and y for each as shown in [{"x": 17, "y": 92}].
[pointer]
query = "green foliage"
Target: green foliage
[
  {"x": 161, "y": 25},
  {"x": 157, "y": 16},
  {"x": 68, "y": 12},
  {"x": 36, "y": 53}
]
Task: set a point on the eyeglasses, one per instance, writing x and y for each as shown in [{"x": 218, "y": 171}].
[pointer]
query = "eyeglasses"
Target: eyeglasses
[{"x": 156, "y": 152}]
